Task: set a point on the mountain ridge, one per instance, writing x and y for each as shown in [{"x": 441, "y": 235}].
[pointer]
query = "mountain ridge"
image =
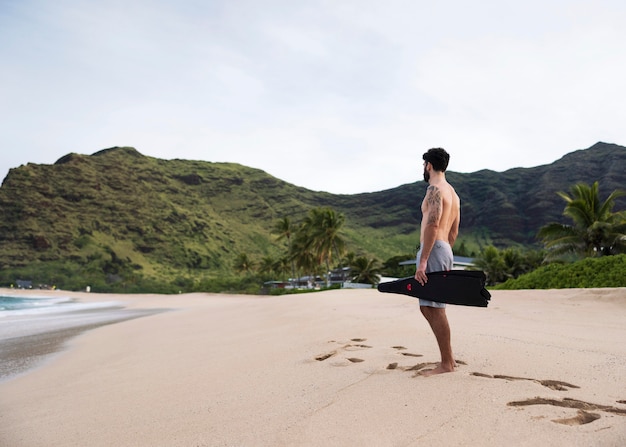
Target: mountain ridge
[{"x": 164, "y": 217}]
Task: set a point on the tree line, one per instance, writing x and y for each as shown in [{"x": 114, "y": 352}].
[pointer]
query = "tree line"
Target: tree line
[
  {"x": 595, "y": 231},
  {"x": 316, "y": 245}
]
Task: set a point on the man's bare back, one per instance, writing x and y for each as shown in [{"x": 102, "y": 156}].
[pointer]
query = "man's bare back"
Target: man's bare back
[
  {"x": 440, "y": 216},
  {"x": 441, "y": 208}
]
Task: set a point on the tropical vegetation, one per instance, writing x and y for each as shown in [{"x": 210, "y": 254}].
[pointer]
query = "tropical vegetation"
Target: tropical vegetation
[
  {"x": 366, "y": 270},
  {"x": 511, "y": 262},
  {"x": 312, "y": 248},
  {"x": 606, "y": 271},
  {"x": 319, "y": 236},
  {"x": 596, "y": 229},
  {"x": 316, "y": 246}
]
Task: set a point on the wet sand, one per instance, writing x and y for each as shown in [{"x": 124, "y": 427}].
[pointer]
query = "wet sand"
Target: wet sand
[{"x": 26, "y": 346}]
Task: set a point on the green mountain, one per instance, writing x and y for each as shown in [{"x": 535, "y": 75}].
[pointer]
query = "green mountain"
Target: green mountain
[{"x": 117, "y": 210}]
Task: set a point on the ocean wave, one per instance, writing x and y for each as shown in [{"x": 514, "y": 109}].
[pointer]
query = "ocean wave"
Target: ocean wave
[{"x": 19, "y": 306}]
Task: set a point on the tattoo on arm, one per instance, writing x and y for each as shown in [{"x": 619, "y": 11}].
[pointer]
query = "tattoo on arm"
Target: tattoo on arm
[{"x": 433, "y": 199}]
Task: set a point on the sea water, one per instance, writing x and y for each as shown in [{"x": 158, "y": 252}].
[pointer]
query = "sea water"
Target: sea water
[
  {"x": 20, "y": 306},
  {"x": 14, "y": 305},
  {"x": 20, "y": 315},
  {"x": 29, "y": 325}
]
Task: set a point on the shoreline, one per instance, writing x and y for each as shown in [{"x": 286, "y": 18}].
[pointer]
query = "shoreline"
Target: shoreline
[
  {"x": 332, "y": 368},
  {"x": 28, "y": 341},
  {"x": 21, "y": 354}
]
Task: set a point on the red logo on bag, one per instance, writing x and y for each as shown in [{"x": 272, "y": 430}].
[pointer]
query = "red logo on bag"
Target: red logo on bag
[{"x": 408, "y": 287}]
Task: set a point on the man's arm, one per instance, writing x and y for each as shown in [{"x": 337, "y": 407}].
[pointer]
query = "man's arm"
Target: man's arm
[{"x": 432, "y": 216}]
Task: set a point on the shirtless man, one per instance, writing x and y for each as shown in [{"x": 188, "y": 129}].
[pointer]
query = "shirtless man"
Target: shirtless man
[{"x": 441, "y": 214}]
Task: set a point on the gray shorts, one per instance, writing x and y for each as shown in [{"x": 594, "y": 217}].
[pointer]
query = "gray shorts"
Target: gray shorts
[{"x": 440, "y": 259}]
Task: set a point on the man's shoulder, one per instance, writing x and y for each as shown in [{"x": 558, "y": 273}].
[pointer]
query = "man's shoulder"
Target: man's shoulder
[{"x": 443, "y": 185}]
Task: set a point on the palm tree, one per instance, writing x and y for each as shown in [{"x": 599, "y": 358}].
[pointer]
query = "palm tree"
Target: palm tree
[
  {"x": 596, "y": 231},
  {"x": 349, "y": 258},
  {"x": 514, "y": 262},
  {"x": 243, "y": 264},
  {"x": 284, "y": 229},
  {"x": 321, "y": 233},
  {"x": 282, "y": 267},
  {"x": 302, "y": 255},
  {"x": 491, "y": 262},
  {"x": 366, "y": 271},
  {"x": 268, "y": 265}
]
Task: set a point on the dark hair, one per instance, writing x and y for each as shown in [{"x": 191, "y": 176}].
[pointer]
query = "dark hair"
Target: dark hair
[{"x": 438, "y": 157}]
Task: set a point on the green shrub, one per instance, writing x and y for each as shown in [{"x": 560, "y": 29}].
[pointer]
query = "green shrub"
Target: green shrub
[{"x": 606, "y": 271}]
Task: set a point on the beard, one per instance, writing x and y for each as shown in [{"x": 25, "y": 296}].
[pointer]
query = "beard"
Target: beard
[{"x": 426, "y": 176}]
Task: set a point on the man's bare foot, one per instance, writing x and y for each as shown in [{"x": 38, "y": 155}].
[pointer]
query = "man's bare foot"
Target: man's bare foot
[{"x": 440, "y": 369}]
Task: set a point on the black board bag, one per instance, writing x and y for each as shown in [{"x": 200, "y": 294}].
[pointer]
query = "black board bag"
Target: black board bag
[{"x": 463, "y": 287}]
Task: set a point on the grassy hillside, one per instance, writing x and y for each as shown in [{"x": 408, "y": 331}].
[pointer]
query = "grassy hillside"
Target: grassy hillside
[{"x": 119, "y": 216}]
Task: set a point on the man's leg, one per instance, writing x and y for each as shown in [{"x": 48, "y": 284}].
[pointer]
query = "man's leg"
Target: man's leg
[{"x": 438, "y": 321}]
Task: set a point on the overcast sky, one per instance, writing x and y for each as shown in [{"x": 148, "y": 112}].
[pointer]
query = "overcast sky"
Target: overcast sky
[{"x": 338, "y": 96}]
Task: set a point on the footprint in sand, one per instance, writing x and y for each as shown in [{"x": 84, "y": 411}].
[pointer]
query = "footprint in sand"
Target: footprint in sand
[
  {"x": 582, "y": 418},
  {"x": 345, "y": 347},
  {"x": 552, "y": 384},
  {"x": 585, "y": 410},
  {"x": 356, "y": 344},
  {"x": 419, "y": 368},
  {"x": 355, "y": 347},
  {"x": 408, "y": 354},
  {"x": 355, "y": 360},
  {"x": 322, "y": 357},
  {"x": 584, "y": 414}
]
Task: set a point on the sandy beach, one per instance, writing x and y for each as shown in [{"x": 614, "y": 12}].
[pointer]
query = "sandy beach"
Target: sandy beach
[{"x": 336, "y": 368}]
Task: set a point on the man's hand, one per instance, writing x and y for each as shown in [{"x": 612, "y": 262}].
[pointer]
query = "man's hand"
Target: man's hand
[{"x": 420, "y": 274}]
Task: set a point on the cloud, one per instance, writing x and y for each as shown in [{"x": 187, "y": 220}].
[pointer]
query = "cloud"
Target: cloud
[{"x": 335, "y": 96}]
